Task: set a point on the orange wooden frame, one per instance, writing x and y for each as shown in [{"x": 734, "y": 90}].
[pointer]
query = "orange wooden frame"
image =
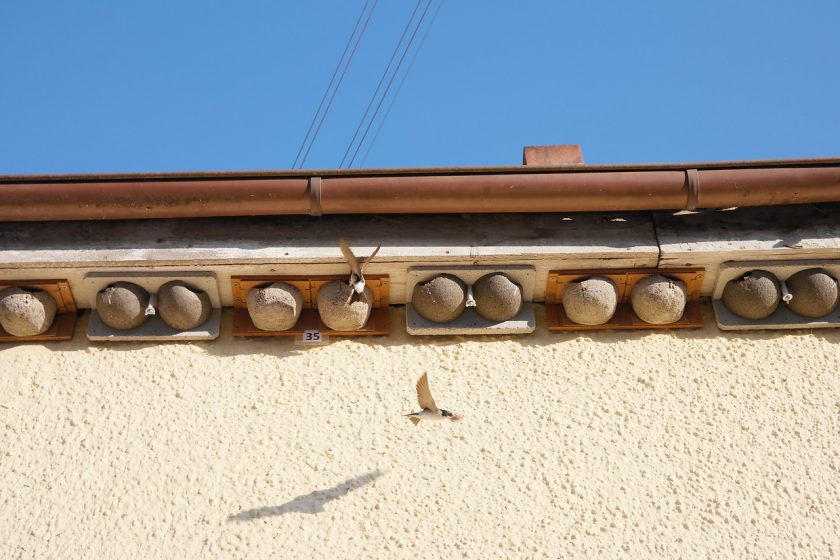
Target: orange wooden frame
[
  {"x": 625, "y": 279},
  {"x": 309, "y": 318},
  {"x": 63, "y": 326}
]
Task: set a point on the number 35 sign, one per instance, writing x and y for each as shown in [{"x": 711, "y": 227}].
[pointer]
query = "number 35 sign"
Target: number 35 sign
[{"x": 312, "y": 337}]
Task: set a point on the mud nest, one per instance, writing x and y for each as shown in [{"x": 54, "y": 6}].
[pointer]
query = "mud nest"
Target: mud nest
[
  {"x": 122, "y": 305},
  {"x": 26, "y": 312},
  {"x": 183, "y": 307},
  {"x": 814, "y": 293},
  {"x": 755, "y": 295},
  {"x": 497, "y": 297},
  {"x": 441, "y": 299},
  {"x": 659, "y": 300},
  {"x": 341, "y": 308},
  {"x": 276, "y": 307},
  {"x": 591, "y": 301}
]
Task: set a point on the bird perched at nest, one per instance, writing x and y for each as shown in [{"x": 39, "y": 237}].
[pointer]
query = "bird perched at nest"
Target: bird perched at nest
[
  {"x": 427, "y": 403},
  {"x": 357, "y": 279}
]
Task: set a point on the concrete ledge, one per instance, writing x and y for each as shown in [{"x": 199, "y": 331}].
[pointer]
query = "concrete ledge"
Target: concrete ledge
[
  {"x": 782, "y": 318},
  {"x": 470, "y": 274},
  {"x": 471, "y": 323},
  {"x": 151, "y": 281},
  {"x": 154, "y": 329}
]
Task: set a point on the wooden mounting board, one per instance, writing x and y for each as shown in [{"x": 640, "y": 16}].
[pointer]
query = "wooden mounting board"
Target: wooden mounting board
[
  {"x": 624, "y": 279},
  {"x": 309, "y": 318},
  {"x": 623, "y": 319},
  {"x": 64, "y": 324}
]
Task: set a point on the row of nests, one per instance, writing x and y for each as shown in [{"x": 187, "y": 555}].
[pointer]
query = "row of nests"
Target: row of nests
[
  {"x": 655, "y": 299},
  {"x": 125, "y": 306},
  {"x": 445, "y": 297},
  {"x": 757, "y": 294},
  {"x": 277, "y": 307},
  {"x": 592, "y": 301}
]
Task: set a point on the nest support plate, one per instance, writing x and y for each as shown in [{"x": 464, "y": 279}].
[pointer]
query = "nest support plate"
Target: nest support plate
[
  {"x": 624, "y": 279},
  {"x": 377, "y": 324}
]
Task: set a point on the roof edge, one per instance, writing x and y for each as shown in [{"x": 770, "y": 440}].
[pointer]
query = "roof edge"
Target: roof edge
[{"x": 414, "y": 171}]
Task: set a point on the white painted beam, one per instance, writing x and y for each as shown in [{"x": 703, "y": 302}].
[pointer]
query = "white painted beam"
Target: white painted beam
[{"x": 302, "y": 245}]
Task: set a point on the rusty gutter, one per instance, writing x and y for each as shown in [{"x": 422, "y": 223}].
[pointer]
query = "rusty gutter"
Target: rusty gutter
[{"x": 673, "y": 186}]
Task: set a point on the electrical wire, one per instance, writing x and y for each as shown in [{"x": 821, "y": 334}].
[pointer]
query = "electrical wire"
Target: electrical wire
[
  {"x": 329, "y": 86},
  {"x": 402, "y": 82},
  {"x": 338, "y": 85},
  {"x": 379, "y": 85},
  {"x": 332, "y": 97},
  {"x": 390, "y": 82}
]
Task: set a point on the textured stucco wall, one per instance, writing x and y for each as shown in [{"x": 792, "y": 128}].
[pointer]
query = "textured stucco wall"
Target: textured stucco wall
[{"x": 605, "y": 444}]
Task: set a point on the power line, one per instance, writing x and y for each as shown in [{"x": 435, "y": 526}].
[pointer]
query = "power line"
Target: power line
[
  {"x": 402, "y": 82},
  {"x": 335, "y": 91},
  {"x": 390, "y": 82},
  {"x": 329, "y": 86},
  {"x": 379, "y": 85},
  {"x": 338, "y": 85}
]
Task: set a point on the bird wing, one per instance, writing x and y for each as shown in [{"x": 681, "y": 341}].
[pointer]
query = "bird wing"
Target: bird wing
[
  {"x": 370, "y": 258},
  {"x": 350, "y": 258},
  {"x": 424, "y": 395},
  {"x": 414, "y": 420}
]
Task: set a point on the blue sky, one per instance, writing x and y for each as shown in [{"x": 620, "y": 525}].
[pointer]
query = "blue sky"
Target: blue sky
[{"x": 104, "y": 86}]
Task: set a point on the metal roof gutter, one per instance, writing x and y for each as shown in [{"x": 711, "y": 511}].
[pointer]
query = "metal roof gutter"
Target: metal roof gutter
[{"x": 420, "y": 190}]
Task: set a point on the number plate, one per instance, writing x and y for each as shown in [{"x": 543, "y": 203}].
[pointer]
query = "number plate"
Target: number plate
[{"x": 313, "y": 337}]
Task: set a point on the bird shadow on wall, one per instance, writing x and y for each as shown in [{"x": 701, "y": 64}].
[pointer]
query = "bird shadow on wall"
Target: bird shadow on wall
[{"x": 311, "y": 503}]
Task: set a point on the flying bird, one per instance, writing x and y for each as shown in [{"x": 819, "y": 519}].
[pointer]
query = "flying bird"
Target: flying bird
[
  {"x": 357, "y": 280},
  {"x": 427, "y": 403}
]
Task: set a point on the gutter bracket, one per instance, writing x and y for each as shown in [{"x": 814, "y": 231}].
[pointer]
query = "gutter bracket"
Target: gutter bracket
[
  {"x": 315, "y": 196},
  {"x": 693, "y": 187}
]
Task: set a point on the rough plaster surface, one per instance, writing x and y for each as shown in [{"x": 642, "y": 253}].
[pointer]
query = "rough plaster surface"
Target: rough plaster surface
[{"x": 684, "y": 444}]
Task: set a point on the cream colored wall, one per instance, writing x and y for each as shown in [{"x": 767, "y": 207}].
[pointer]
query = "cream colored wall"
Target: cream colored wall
[
  {"x": 609, "y": 444},
  {"x": 605, "y": 444}
]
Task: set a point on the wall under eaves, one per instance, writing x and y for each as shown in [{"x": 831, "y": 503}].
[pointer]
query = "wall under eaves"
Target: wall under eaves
[{"x": 293, "y": 245}]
